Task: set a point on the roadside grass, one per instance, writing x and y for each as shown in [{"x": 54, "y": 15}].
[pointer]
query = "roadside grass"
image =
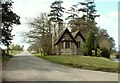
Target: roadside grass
[
  {"x": 14, "y": 52},
  {"x": 112, "y": 56},
  {"x": 0, "y": 58},
  {"x": 84, "y": 62},
  {"x": 7, "y": 57}
]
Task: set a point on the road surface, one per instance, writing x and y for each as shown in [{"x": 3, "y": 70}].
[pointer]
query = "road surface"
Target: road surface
[
  {"x": 25, "y": 67},
  {"x": 0, "y": 71}
]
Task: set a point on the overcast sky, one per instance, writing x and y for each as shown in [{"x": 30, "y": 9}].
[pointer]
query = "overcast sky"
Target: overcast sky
[{"x": 108, "y": 10}]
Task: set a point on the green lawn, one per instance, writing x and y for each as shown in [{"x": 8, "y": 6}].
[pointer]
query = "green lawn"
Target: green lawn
[{"x": 84, "y": 62}]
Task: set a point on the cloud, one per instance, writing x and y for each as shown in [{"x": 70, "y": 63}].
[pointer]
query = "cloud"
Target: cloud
[
  {"x": 30, "y": 8},
  {"x": 106, "y": 0},
  {"x": 113, "y": 14},
  {"x": 109, "y": 22}
]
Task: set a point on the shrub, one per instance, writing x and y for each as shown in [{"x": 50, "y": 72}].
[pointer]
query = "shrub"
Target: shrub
[
  {"x": 105, "y": 53},
  {"x": 86, "y": 51},
  {"x": 118, "y": 56},
  {"x": 89, "y": 44}
]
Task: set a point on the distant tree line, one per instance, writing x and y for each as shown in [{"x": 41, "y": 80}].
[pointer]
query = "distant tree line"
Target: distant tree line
[{"x": 16, "y": 47}]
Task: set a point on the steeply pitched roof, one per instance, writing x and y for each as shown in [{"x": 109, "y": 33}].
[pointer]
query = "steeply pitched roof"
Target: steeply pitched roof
[
  {"x": 78, "y": 33},
  {"x": 75, "y": 33},
  {"x": 62, "y": 34}
]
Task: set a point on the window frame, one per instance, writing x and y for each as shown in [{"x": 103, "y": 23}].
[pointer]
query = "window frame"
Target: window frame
[{"x": 67, "y": 44}]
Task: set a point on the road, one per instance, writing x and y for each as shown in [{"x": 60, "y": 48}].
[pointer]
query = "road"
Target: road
[
  {"x": 25, "y": 67},
  {"x": 0, "y": 71}
]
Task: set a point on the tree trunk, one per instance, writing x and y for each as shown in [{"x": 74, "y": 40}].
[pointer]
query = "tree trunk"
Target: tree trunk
[
  {"x": 7, "y": 49},
  {"x": 53, "y": 40}
]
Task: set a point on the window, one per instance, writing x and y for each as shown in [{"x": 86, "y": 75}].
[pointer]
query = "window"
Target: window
[
  {"x": 78, "y": 42},
  {"x": 67, "y": 45}
]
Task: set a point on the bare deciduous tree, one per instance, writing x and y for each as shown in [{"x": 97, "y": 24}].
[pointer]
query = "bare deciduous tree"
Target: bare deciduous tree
[{"x": 40, "y": 33}]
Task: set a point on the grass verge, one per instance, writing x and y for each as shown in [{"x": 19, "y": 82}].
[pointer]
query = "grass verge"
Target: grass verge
[
  {"x": 7, "y": 57},
  {"x": 14, "y": 52},
  {"x": 84, "y": 62}
]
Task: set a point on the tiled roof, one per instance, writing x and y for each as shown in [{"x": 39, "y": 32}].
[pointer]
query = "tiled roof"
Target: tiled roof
[
  {"x": 78, "y": 33},
  {"x": 75, "y": 33}
]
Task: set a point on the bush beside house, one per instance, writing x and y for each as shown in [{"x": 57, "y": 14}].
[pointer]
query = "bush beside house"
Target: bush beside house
[{"x": 105, "y": 53}]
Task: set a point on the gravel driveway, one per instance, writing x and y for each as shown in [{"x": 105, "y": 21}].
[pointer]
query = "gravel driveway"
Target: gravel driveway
[{"x": 25, "y": 67}]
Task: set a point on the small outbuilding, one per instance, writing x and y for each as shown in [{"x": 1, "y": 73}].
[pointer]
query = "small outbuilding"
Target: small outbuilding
[{"x": 69, "y": 43}]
